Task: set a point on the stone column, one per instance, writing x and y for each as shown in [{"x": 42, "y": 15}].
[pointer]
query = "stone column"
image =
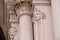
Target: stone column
[
  {"x": 25, "y": 21},
  {"x": 56, "y": 17}
]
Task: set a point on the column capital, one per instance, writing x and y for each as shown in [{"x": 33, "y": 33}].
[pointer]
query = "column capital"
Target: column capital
[
  {"x": 24, "y": 8},
  {"x": 38, "y": 14}
]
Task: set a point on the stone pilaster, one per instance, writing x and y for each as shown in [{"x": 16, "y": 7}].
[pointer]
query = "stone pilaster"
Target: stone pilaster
[
  {"x": 55, "y": 4},
  {"x": 43, "y": 25},
  {"x": 38, "y": 18}
]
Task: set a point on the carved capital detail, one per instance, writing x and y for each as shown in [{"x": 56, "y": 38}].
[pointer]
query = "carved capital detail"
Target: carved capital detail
[
  {"x": 37, "y": 15},
  {"x": 23, "y": 7}
]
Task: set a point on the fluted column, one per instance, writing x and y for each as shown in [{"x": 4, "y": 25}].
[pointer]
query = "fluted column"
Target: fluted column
[
  {"x": 25, "y": 21},
  {"x": 56, "y": 17}
]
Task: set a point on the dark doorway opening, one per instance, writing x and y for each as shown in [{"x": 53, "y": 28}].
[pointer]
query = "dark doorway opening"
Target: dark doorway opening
[{"x": 2, "y": 37}]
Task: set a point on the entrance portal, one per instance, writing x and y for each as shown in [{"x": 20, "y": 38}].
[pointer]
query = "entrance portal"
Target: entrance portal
[{"x": 2, "y": 37}]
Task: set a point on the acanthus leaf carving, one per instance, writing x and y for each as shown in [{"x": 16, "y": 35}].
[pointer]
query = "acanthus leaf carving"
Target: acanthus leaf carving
[
  {"x": 12, "y": 32},
  {"x": 37, "y": 15}
]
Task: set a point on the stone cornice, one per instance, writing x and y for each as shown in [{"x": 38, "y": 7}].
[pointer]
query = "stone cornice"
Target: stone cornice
[
  {"x": 43, "y": 3},
  {"x": 18, "y": 1}
]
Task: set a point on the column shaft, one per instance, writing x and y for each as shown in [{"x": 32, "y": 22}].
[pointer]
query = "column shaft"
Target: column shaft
[
  {"x": 36, "y": 31},
  {"x": 25, "y": 24}
]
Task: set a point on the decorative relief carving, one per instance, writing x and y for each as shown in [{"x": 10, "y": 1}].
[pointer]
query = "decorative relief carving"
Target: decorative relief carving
[
  {"x": 12, "y": 32},
  {"x": 11, "y": 12},
  {"x": 24, "y": 7},
  {"x": 10, "y": 8},
  {"x": 37, "y": 15}
]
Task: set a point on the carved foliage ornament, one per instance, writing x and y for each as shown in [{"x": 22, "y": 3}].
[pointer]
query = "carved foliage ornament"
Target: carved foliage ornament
[
  {"x": 23, "y": 7},
  {"x": 37, "y": 15},
  {"x": 12, "y": 32}
]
